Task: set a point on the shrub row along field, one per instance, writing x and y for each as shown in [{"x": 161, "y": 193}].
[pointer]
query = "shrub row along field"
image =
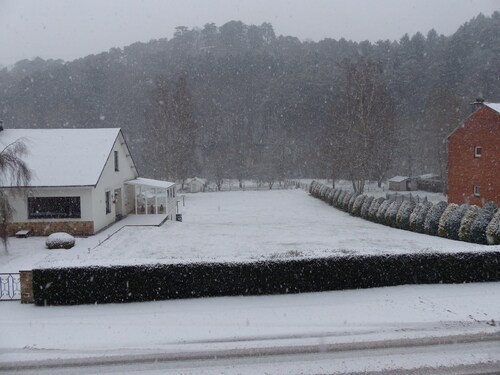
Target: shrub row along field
[
  {"x": 464, "y": 222},
  {"x": 89, "y": 285}
]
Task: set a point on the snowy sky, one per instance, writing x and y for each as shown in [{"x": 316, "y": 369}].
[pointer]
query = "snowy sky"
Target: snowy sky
[{"x": 69, "y": 29}]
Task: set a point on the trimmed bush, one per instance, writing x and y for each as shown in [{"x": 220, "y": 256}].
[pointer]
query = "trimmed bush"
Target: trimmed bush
[
  {"x": 356, "y": 206},
  {"x": 431, "y": 223},
  {"x": 493, "y": 230},
  {"x": 382, "y": 210},
  {"x": 365, "y": 209},
  {"x": 483, "y": 218},
  {"x": 60, "y": 240},
  {"x": 453, "y": 225},
  {"x": 403, "y": 216},
  {"x": 351, "y": 201},
  {"x": 335, "y": 199},
  {"x": 326, "y": 194},
  {"x": 466, "y": 223},
  {"x": 346, "y": 200},
  {"x": 392, "y": 213},
  {"x": 330, "y": 196},
  {"x": 417, "y": 217},
  {"x": 311, "y": 186},
  {"x": 372, "y": 214},
  {"x": 443, "y": 222}
]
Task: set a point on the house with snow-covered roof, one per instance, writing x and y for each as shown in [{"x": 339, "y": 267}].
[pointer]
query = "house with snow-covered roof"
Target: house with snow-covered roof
[
  {"x": 474, "y": 157},
  {"x": 82, "y": 181},
  {"x": 195, "y": 185}
]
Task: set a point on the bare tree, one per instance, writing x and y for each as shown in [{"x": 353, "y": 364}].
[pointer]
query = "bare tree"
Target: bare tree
[
  {"x": 364, "y": 120},
  {"x": 14, "y": 172}
]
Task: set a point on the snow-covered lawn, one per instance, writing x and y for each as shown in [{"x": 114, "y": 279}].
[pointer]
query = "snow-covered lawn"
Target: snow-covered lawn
[{"x": 235, "y": 226}]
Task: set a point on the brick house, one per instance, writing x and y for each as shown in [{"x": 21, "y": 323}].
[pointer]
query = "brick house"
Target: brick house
[
  {"x": 474, "y": 157},
  {"x": 83, "y": 180}
]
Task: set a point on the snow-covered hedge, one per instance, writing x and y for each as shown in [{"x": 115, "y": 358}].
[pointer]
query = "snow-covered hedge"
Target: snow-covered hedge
[
  {"x": 331, "y": 195},
  {"x": 382, "y": 210},
  {"x": 356, "y": 206},
  {"x": 445, "y": 218},
  {"x": 372, "y": 214},
  {"x": 483, "y": 218},
  {"x": 392, "y": 213},
  {"x": 335, "y": 199},
  {"x": 431, "y": 223},
  {"x": 365, "y": 209},
  {"x": 312, "y": 186},
  {"x": 454, "y": 221},
  {"x": 417, "y": 217},
  {"x": 493, "y": 230},
  {"x": 466, "y": 223},
  {"x": 403, "y": 216},
  {"x": 118, "y": 284}
]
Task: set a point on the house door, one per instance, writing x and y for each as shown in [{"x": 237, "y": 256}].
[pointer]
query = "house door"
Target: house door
[{"x": 118, "y": 204}]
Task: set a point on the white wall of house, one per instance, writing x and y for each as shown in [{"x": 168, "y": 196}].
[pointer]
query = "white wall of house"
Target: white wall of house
[
  {"x": 20, "y": 202},
  {"x": 112, "y": 180}
]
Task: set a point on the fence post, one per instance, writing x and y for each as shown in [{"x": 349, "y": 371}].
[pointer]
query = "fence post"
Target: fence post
[{"x": 26, "y": 279}]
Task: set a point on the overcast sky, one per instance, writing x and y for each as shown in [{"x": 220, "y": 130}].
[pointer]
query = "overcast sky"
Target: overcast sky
[{"x": 69, "y": 29}]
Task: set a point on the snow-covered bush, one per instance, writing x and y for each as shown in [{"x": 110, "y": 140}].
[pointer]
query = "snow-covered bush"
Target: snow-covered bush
[
  {"x": 365, "y": 208},
  {"x": 403, "y": 216},
  {"x": 351, "y": 201},
  {"x": 60, "y": 240},
  {"x": 335, "y": 200},
  {"x": 443, "y": 222},
  {"x": 312, "y": 186},
  {"x": 453, "y": 225},
  {"x": 372, "y": 213},
  {"x": 431, "y": 223},
  {"x": 382, "y": 210},
  {"x": 493, "y": 230},
  {"x": 346, "y": 200},
  {"x": 466, "y": 223},
  {"x": 417, "y": 217},
  {"x": 483, "y": 218},
  {"x": 356, "y": 206},
  {"x": 330, "y": 196},
  {"x": 392, "y": 212},
  {"x": 326, "y": 193}
]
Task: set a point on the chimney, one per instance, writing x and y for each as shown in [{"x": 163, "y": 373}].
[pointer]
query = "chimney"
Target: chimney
[{"x": 477, "y": 104}]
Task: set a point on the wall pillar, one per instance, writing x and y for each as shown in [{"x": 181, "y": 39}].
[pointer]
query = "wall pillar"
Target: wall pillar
[{"x": 26, "y": 279}]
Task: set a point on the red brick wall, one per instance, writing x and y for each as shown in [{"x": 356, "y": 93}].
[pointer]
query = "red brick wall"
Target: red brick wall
[
  {"x": 465, "y": 171},
  {"x": 44, "y": 228}
]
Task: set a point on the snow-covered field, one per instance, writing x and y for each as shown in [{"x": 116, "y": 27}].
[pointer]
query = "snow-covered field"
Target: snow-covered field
[
  {"x": 234, "y": 226},
  {"x": 245, "y": 226}
]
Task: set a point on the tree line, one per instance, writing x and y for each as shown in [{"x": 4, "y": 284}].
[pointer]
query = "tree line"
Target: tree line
[{"x": 238, "y": 101}]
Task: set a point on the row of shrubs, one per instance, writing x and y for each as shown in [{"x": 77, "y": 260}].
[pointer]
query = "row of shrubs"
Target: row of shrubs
[
  {"x": 117, "y": 284},
  {"x": 464, "y": 222}
]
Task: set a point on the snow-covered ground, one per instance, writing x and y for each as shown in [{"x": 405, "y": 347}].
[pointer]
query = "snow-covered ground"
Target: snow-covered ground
[
  {"x": 328, "y": 322},
  {"x": 245, "y": 226},
  {"x": 235, "y": 226}
]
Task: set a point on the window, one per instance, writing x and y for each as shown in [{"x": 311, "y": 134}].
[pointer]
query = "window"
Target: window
[
  {"x": 116, "y": 162},
  {"x": 108, "y": 202},
  {"x": 54, "y": 208},
  {"x": 477, "y": 191},
  {"x": 477, "y": 151}
]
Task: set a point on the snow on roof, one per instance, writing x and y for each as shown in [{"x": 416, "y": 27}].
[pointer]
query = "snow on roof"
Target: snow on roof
[
  {"x": 493, "y": 106},
  {"x": 201, "y": 180},
  {"x": 62, "y": 157},
  {"x": 399, "y": 179},
  {"x": 151, "y": 183}
]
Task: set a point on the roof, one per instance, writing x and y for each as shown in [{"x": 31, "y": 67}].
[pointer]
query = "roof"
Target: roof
[
  {"x": 151, "y": 183},
  {"x": 493, "y": 106},
  {"x": 201, "y": 180},
  {"x": 399, "y": 179},
  {"x": 62, "y": 157}
]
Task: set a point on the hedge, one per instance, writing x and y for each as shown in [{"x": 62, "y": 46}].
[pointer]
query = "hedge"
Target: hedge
[
  {"x": 90, "y": 285},
  {"x": 365, "y": 209},
  {"x": 372, "y": 214},
  {"x": 453, "y": 226},
  {"x": 382, "y": 210},
  {"x": 403, "y": 216},
  {"x": 356, "y": 206},
  {"x": 392, "y": 213},
  {"x": 466, "y": 223},
  {"x": 493, "y": 230},
  {"x": 445, "y": 218},
  {"x": 483, "y": 218},
  {"x": 431, "y": 223}
]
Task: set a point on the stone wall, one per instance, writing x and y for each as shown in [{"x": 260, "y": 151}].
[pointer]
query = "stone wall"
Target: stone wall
[{"x": 45, "y": 228}]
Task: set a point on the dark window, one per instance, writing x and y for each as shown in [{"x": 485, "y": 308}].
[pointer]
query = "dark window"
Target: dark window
[
  {"x": 116, "y": 162},
  {"x": 108, "y": 202},
  {"x": 478, "y": 151},
  {"x": 54, "y": 208},
  {"x": 477, "y": 191}
]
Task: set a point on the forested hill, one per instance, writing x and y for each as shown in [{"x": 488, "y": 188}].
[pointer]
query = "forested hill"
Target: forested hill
[{"x": 258, "y": 100}]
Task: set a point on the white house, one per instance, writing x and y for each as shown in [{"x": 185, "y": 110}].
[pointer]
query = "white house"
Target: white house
[
  {"x": 195, "y": 185},
  {"x": 83, "y": 180}
]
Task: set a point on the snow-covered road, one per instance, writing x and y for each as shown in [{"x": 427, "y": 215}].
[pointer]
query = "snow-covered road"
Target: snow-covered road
[{"x": 265, "y": 323}]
